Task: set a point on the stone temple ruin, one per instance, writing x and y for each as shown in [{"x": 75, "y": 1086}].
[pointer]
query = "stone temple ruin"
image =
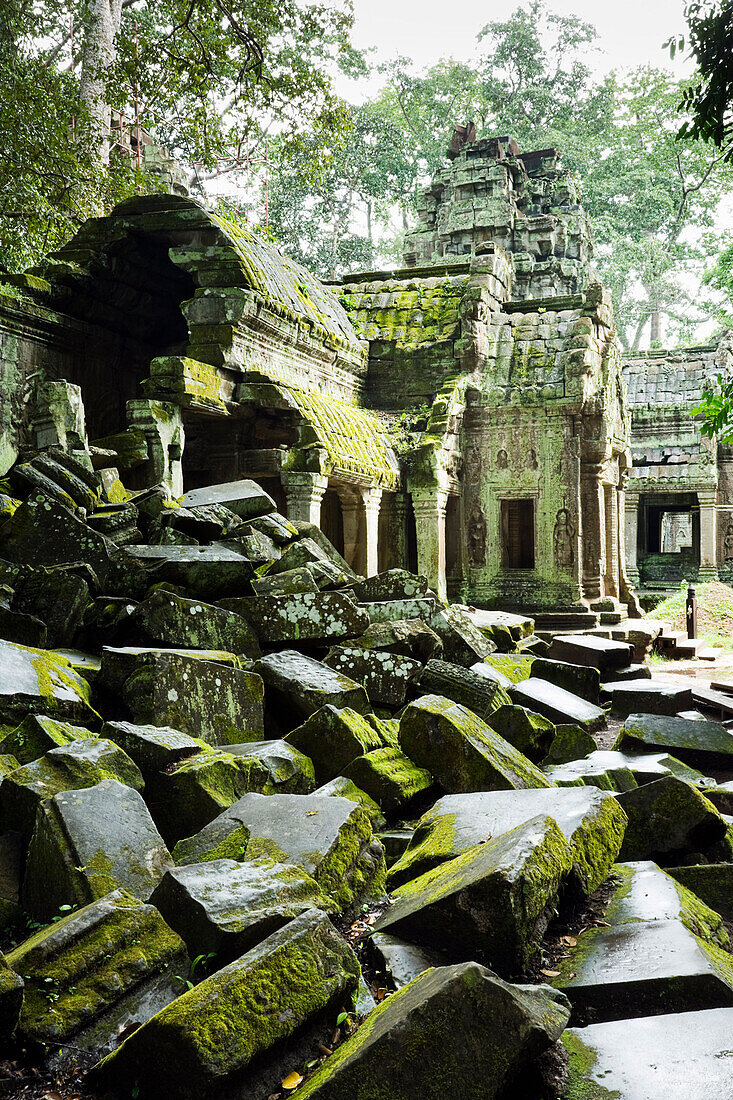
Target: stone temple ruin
[{"x": 326, "y": 731}]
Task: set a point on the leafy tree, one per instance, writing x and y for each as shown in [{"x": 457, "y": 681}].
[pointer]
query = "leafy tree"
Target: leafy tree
[
  {"x": 709, "y": 99},
  {"x": 208, "y": 78}
]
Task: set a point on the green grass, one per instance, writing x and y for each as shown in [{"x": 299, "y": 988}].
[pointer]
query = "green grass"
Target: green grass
[{"x": 714, "y": 613}]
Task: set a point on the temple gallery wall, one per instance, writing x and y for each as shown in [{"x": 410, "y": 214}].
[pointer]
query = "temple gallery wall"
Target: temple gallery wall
[{"x": 469, "y": 415}]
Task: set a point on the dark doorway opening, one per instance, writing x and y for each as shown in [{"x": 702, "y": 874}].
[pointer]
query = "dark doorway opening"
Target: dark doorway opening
[{"x": 517, "y": 534}]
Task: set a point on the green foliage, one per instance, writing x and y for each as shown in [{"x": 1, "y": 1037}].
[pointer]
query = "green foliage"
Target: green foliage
[
  {"x": 708, "y": 99},
  {"x": 716, "y": 408},
  {"x": 207, "y": 79}
]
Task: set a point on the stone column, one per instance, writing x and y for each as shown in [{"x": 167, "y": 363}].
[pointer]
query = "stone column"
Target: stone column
[
  {"x": 708, "y": 499},
  {"x": 372, "y": 499},
  {"x": 611, "y": 577},
  {"x": 352, "y": 510},
  {"x": 162, "y": 425},
  {"x": 631, "y": 537},
  {"x": 395, "y": 506},
  {"x": 429, "y": 506},
  {"x": 593, "y": 527},
  {"x": 304, "y": 493}
]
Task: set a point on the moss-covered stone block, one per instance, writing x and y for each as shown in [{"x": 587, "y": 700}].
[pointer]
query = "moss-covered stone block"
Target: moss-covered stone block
[
  {"x": 341, "y": 787},
  {"x": 668, "y": 820},
  {"x": 86, "y": 843},
  {"x": 73, "y": 766},
  {"x": 569, "y": 743},
  {"x": 290, "y": 771},
  {"x": 175, "y": 621},
  {"x": 227, "y": 907},
  {"x": 389, "y": 777},
  {"x": 332, "y": 738},
  {"x": 216, "y": 1030},
  {"x": 400, "y": 1049},
  {"x": 11, "y": 999},
  {"x": 111, "y": 963},
  {"x": 38, "y": 681},
  {"x": 462, "y": 751},
  {"x": 37, "y": 735},
  {"x": 492, "y": 903},
  {"x": 529, "y": 732}
]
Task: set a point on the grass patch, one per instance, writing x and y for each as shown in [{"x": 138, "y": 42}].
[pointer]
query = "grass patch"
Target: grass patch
[{"x": 714, "y": 612}]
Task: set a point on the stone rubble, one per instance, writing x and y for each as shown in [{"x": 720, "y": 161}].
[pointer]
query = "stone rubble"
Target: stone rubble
[{"x": 274, "y": 818}]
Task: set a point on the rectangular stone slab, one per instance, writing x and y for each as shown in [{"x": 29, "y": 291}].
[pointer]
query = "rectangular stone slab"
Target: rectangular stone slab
[
  {"x": 305, "y": 969},
  {"x": 301, "y": 686},
  {"x": 207, "y": 572},
  {"x": 711, "y": 882},
  {"x": 641, "y": 968},
  {"x": 557, "y": 704},
  {"x": 647, "y": 893},
  {"x": 245, "y": 498},
  {"x": 584, "y": 649},
  {"x": 649, "y": 696},
  {"x": 386, "y": 676},
  {"x": 38, "y": 681},
  {"x": 695, "y": 742},
  {"x": 685, "y": 1056},
  {"x": 305, "y": 616}
]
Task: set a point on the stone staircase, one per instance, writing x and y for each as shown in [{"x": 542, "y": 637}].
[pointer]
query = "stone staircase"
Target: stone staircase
[{"x": 676, "y": 646}]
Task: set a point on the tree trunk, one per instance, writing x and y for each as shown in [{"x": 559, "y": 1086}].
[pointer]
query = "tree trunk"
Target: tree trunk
[
  {"x": 370, "y": 237},
  {"x": 97, "y": 56},
  {"x": 655, "y": 334}
]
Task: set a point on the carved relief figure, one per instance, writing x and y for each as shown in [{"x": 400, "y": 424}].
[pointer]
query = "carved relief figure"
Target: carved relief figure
[
  {"x": 473, "y": 465},
  {"x": 532, "y": 463},
  {"x": 728, "y": 542},
  {"x": 562, "y": 539},
  {"x": 502, "y": 459},
  {"x": 476, "y": 536}
]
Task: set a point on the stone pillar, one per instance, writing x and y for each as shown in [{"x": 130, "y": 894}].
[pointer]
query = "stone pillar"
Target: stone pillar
[
  {"x": 429, "y": 506},
  {"x": 372, "y": 502},
  {"x": 611, "y": 576},
  {"x": 162, "y": 425},
  {"x": 304, "y": 493},
  {"x": 631, "y": 536},
  {"x": 352, "y": 510},
  {"x": 708, "y": 500},
  {"x": 593, "y": 525},
  {"x": 395, "y": 548},
  {"x": 58, "y": 417}
]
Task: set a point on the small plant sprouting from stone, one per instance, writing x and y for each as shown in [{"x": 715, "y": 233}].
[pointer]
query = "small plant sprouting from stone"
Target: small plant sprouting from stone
[{"x": 196, "y": 970}]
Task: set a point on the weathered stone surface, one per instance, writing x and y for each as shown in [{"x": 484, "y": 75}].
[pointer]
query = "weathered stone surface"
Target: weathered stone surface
[
  {"x": 206, "y": 572},
  {"x": 557, "y": 704},
  {"x": 305, "y": 967},
  {"x": 481, "y": 694},
  {"x": 591, "y": 821},
  {"x": 647, "y": 696},
  {"x": 86, "y": 843},
  {"x": 329, "y": 838},
  {"x": 463, "y": 643},
  {"x": 617, "y": 771},
  {"x": 227, "y": 907},
  {"x": 290, "y": 771},
  {"x": 153, "y": 748},
  {"x": 529, "y": 732},
  {"x": 461, "y": 751},
  {"x": 118, "y": 663},
  {"x": 401, "y": 961},
  {"x": 483, "y": 668},
  {"x": 245, "y": 498},
  {"x": 569, "y": 743},
  {"x": 74, "y": 766},
  {"x": 11, "y": 999},
  {"x": 394, "y": 842},
  {"x": 174, "y": 621},
  {"x": 325, "y": 565},
  {"x": 305, "y": 616},
  {"x": 55, "y": 596},
  {"x": 403, "y": 1044},
  {"x": 37, "y": 735},
  {"x": 113, "y": 963},
  {"x": 66, "y": 538},
  {"x": 298, "y": 685},
  {"x": 285, "y": 584},
  {"x": 341, "y": 787},
  {"x": 581, "y": 680},
  {"x": 491, "y": 903},
  {"x": 642, "y": 968},
  {"x": 387, "y": 611},
  {"x": 37, "y": 681},
  {"x": 389, "y": 777},
  {"x": 584, "y": 649},
  {"x": 711, "y": 882},
  {"x": 188, "y": 795},
  {"x": 668, "y": 820},
  {"x": 410, "y": 637},
  {"x": 23, "y": 629},
  {"x": 721, "y": 796},
  {"x": 386, "y": 676},
  {"x": 208, "y": 700},
  {"x": 393, "y": 584},
  {"x": 332, "y": 738},
  {"x": 647, "y": 893},
  {"x": 631, "y": 672},
  {"x": 698, "y": 743},
  {"x": 683, "y": 1056}
]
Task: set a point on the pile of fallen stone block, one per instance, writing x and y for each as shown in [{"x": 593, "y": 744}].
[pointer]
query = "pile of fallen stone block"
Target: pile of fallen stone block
[{"x": 269, "y": 828}]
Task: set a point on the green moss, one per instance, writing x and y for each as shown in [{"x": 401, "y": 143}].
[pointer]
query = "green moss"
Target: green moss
[
  {"x": 583, "y": 1061},
  {"x": 432, "y": 844}
]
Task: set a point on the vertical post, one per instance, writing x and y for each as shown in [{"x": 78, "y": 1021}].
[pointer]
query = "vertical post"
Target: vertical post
[
  {"x": 304, "y": 493},
  {"x": 372, "y": 502},
  {"x": 691, "y": 613},
  {"x": 708, "y": 499},
  {"x": 430, "y": 506},
  {"x": 611, "y": 578},
  {"x": 631, "y": 540},
  {"x": 594, "y": 529},
  {"x": 351, "y": 510}
]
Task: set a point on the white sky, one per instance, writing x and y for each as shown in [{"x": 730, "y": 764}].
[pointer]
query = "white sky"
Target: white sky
[{"x": 631, "y": 32}]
